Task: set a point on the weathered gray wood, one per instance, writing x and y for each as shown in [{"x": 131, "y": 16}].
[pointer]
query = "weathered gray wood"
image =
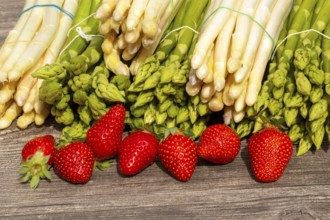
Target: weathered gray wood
[{"x": 214, "y": 192}]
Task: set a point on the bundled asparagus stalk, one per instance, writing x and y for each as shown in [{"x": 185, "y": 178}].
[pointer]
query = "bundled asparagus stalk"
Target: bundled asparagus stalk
[
  {"x": 232, "y": 52},
  {"x": 157, "y": 94},
  {"x": 294, "y": 95},
  {"x": 131, "y": 27},
  {"x": 36, "y": 40}
]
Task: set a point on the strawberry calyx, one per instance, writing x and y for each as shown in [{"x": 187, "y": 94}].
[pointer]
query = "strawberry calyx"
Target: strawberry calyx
[
  {"x": 35, "y": 168},
  {"x": 174, "y": 130},
  {"x": 101, "y": 165}
]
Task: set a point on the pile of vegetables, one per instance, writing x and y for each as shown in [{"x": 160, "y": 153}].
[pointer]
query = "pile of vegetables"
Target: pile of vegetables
[{"x": 171, "y": 63}]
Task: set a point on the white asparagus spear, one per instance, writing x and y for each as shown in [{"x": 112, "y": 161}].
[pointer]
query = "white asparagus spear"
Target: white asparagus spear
[
  {"x": 13, "y": 34},
  {"x": 274, "y": 26},
  {"x": 40, "y": 42}
]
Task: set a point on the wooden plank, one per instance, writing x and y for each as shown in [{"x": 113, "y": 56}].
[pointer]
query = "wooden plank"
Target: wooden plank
[{"x": 214, "y": 192}]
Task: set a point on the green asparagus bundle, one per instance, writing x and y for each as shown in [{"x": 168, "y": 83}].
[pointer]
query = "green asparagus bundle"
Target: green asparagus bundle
[
  {"x": 157, "y": 95},
  {"x": 295, "y": 95}
]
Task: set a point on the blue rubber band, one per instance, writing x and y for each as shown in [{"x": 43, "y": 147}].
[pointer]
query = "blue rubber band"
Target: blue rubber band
[{"x": 50, "y": 5}]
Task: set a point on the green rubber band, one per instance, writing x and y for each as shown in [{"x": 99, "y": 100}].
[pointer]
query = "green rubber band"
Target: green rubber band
[{"x": 49, "y": 5}]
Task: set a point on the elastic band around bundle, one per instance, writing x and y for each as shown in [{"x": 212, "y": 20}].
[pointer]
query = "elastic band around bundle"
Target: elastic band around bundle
[
  {"x": 177, "y": 29},
  {"x": 297, "y": 33},
  {"x": 239, "y": 12},
  {"x": 49, "y": 5},
  {"x": 82, "y": 34}
]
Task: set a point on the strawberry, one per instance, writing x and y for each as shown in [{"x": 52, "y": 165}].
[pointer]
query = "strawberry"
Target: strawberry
[
  {"x": 218, "y": 144},
  {"x": 105, "y": 136},
  {"x": 137, "y": 151},
  {"x": 37, "y": 159},
  {"x": 269, "y": 151},
  {"x": 178, "y": 154},
  {"x": 74, "y": 162}
]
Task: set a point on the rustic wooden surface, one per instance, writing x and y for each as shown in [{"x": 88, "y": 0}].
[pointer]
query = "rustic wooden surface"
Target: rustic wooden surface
[{"x": 214, "y": 192}]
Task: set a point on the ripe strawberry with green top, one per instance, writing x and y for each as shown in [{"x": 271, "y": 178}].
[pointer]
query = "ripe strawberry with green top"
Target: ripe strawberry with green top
[
  {"x": 37, "y": 159},
  {"x": 178, "y": 154},
  {"x": 137, "y": 151},
  {"x": 105, "y": 136},
  {"x": 218, "y": 144},
  {"x": 269, "y": 151},
  {"x": 74, "y": 162}
]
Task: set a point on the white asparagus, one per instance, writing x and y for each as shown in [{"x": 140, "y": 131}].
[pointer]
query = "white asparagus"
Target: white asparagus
[
  {"x": 121, "y": 10},
  {"x": 29, "y": 104},
  {"x": 121, "y": 42},
  {"x": 154, "y": 11},
  {"x": 56, "y": 45},
  {"x": 25, "y": 84},
  {"x": 105, "y": 10},
  {"x": 10, "y": 115},
  {"x": 236, "y": 89},
  {"x": 222, "y": 45},
  {"x": 210, "y": 68},
  {"x": 27, "y": 81},
  {"x": 135, "y": 13},
  {"x": 194, "y": 89},
  {"x": 131, "y": 36},
  {"x": 7, "y": 91},
  {"x": 227, "y": 99},
  {"x": 238, "y": 116},
  {"x": 25, "y": 37},
  {"x": 25, "y": 119},
  {"x": 274, "y": 26},
  {"x": 38, "y": 105},
  {"x": 207, "y": 91},
  {"x": 228, "y": 114},
  {"x": 164, "y": 22},
  {"x": 262, "y": 16},
  {"x": 14, "y": 33},
  {"x": 41, "y": 117},
  {"x": 216, "y": 104},
  {"x": 202, "y": 71},
  {"x": 241, "y": 33},
  {"x": 4, "y": 107},
  {"x": 240, "y": 101},
  {"x": 109, "y": 42},
  {"x": 40, "y": 42},
  {"x": 211, "y": 31},
  {"x": 114, "y": 63}
]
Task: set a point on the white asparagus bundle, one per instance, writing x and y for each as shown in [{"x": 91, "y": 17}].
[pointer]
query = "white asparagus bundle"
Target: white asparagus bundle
[
  {"x": 240, "y": 35},
  {"x": 36, "y": 40},
  {"x": 132, "y": 30}
]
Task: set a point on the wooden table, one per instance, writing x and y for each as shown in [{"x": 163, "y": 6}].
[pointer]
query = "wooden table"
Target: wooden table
[{"x": 214, "y": 192}]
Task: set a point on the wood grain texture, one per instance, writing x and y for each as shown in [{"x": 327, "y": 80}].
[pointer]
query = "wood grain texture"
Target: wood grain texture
[{"x": 214, "y": 192}]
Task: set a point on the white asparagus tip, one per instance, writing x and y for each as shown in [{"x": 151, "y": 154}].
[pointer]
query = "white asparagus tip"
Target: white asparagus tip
[
  {"x": 219, "y": 84},
  {"x": 14, "y": 75},
  {"x": 253, "y": 94},
  {"x": 197, "y": 61},
  {"x": 240, "y": 74}
]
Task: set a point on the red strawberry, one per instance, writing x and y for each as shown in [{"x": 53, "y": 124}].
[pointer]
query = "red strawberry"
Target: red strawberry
[
  {"x": 137, "y": 151},
  {"x": 178, "y": 154},
  {"x": 74, "y": 162},
  {"x": 105, "y": 136},
  {"x": 270, "y": 151},
  {"x": 218, "y": 144},
  {"x": 37, "y": 159}
]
